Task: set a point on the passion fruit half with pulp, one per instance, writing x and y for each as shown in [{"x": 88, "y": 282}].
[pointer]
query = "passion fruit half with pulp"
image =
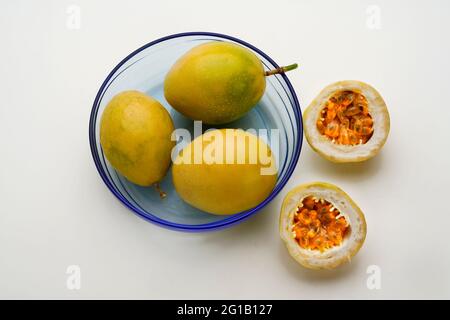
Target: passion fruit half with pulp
[
  {"x": 347, "y": 122},
  {"x": 321, "y": 225}
]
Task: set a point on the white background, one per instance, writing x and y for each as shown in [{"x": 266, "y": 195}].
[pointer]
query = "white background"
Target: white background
[{"x": 55, "y": 211}]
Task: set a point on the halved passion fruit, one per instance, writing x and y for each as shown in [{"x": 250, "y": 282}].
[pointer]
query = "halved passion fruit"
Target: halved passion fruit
[
  {"x": 321, "y": 225},
  {"x": 347, "y": 122}
]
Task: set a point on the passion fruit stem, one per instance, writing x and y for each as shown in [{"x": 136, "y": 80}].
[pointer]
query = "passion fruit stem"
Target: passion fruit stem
[
  {"x": 162, "y": 194},
  {"x": 281, "y": 70}
]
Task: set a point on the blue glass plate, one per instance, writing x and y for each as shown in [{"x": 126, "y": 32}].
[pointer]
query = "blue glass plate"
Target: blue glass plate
[{"x": 145, "y": 70}]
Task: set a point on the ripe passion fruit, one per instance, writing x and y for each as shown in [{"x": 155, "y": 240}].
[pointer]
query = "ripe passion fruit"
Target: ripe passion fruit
[
  {"x": 321, "y": 225},
  {"x": 217, "y": 82},
  {"x": 135, "y": 134},
  {"x": 225, "y": 171},
  {"x": 347, "y": 122}
]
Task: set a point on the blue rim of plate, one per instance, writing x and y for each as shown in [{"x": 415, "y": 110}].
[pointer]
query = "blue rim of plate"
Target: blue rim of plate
[{"x": 217, "y": 225}]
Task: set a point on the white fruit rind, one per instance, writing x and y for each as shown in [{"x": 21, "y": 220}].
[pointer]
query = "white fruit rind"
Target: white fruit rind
[
  {"x": 331, "y": 258},
  {"x": 344, "y": 153}
]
